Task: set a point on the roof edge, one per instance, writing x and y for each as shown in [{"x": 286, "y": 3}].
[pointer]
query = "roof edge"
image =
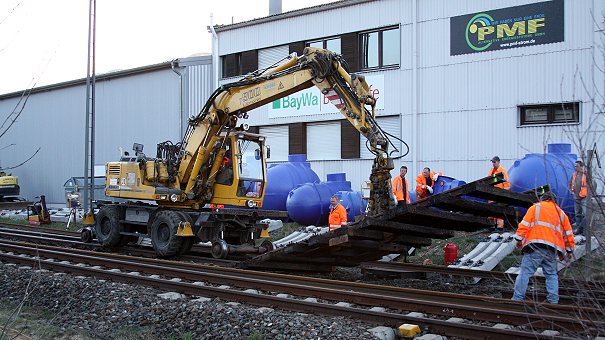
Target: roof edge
[
  {"x": 111, "y": 75},
  {"x": 290, "y": 14}
]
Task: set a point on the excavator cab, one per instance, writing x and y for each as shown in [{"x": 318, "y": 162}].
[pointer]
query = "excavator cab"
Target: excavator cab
[{"x": 241, "y": 175}]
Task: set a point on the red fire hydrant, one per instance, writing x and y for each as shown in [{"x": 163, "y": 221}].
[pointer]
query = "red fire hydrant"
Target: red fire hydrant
[{"x": 450, "y": 253}]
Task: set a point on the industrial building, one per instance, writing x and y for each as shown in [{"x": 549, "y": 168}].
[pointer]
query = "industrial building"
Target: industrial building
[
  {"x": 459, "y": 82},
  {"x": 129, "y": 104}
]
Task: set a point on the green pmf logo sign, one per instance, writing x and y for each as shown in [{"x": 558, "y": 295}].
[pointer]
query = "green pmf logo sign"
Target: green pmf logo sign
[{"x": 533, "y": 24}]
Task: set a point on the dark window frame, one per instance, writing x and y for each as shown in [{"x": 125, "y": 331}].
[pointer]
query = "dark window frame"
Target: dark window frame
[
  {"x": 550, "y": 114},
  {"x": 324, "y": 42},
  {"x": 243, "y": 65},
  {"x": 381, "y": 65}
]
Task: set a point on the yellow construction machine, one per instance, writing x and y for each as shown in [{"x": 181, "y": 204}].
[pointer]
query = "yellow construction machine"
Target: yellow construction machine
[
  {"x": 9, "y": 187},
  {"x": 219, "y": 163}
]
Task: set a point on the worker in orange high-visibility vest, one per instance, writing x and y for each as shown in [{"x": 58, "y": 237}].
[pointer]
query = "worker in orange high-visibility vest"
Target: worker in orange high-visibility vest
[
  {"x": 543, "y": 235},
  {"x": 496, "y": 168},
  {"x": 338, "y": 214},
  {"x": 425, "y": 182},
  {"x": 579, "y": 188},
  {"x": 401, "y": 186}
]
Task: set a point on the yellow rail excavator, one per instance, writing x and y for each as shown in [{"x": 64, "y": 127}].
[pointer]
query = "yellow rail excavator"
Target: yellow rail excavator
[
  {"x": 9, "y": 187},
  {"x": 218, "y": 163}
]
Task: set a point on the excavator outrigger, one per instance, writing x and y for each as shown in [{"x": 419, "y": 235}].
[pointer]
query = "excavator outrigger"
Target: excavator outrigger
[{"x": 219, "y": 163}]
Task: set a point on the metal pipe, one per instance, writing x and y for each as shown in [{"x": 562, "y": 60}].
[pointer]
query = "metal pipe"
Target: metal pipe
[
  {"x": 414, "y": 88},
  {"x": 215, "y": 56}
]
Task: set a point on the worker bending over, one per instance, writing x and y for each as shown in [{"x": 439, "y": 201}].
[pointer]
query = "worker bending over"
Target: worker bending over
[
  {"x": 425, "y": 183},
  {"x": 401, "y": 186},
  {"x": 338, "y": 214},
  {"x": 544, "y": 234}
]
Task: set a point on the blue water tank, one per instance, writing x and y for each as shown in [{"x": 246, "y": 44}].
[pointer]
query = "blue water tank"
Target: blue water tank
[
  {"x": 309, "y": 204},
  {"x": 282, "y": 178},
  {"x": 445, "y": 183},
  {"x": 554, "y": 168}
]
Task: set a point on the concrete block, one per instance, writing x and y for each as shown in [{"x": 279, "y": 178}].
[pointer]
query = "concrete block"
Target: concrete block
[
  {"x": 202, "y": 299},
  {"x": 115, "y": 270},
  {"x": 251, "y": 291},
  {"x": 311, "y": 299},
  {"x": 502, "y": 326},
  {"x": 343, "y": 304},
  {"x": 265, "y": 310},
  {"x": 377, "y": 309},
  {"x": 416, "y": 315},
  {"x": 283, "y": 296},
  {"x": 199, "y": 283},
  {"x": 430, "y": 337},
  {"x": 383, "y": 333},
  {"x": 233, "y": 304},
  {"x": 81, "y": 265},
  {"x": 224, "y": 287},
  {"x": 134, "y": 273},
  {"x": 455, "y": 320},
  {"x": 25, "y": 267},
  {"x": 154, "y": 276},
  {"x": 550, "y": 332},
  {"x": 176, "y": 279},
  {"x": 171, "y": 296}
]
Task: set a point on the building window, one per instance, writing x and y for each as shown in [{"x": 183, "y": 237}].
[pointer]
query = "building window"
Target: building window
[
  {"x": 562, "y": 113},
  {"x": 380, "y": 48},
  {"x": 237, "y": 64},
  {"x": 332, "y": 44}
]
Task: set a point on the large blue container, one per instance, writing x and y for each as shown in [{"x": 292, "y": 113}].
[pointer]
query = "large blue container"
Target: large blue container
[
  {"x": 445, "y": 183},
  {"x": 282, "y": 178},
  {"x": 309, "y": 204},
  {"x": 554, "y": 168}
]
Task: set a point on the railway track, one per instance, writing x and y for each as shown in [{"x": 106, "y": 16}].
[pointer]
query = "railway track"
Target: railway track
[{"x": 380, "y": 304}]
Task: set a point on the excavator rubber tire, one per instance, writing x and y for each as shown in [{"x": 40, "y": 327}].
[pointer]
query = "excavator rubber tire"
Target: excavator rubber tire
[
  {"x": 163, "y": 233},
  {"x": 107, "y": 226}
]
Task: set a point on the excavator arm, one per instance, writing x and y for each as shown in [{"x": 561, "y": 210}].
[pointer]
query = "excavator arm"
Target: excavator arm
[{"x": 200, "y": 153}]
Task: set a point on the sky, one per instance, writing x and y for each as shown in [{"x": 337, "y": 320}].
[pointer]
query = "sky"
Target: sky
[{"x": 46, "y": 41}]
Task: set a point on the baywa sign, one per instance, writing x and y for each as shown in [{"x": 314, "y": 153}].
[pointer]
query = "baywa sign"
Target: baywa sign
[{"x": 534, "y": 24}]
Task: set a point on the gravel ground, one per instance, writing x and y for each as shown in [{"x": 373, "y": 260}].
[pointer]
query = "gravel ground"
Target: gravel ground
[{"x": 109, "y": 310}]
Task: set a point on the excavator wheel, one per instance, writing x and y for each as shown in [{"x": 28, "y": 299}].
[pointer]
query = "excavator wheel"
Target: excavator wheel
[
  {"x": 163, "y": 233},
  {"x": 108, "y": 226}
]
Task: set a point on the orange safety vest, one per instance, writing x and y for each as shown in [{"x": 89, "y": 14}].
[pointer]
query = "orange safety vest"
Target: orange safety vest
[
  {"x": 400, "y": 190},
  {"x": 583, "y": 188},
  {"x": 338, "y": 216},
  {"x": 546, "y": 223},
  {"x": 503, "y": 185},
  {"x": 421, "y": 184}
]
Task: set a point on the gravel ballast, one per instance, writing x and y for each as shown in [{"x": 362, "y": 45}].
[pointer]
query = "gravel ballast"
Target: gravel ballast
[{"x": 103, "y": 309}]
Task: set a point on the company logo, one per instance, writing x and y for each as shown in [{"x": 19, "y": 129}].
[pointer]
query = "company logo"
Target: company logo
[
  {"x": 479, "y": 25},
  {"x": 296, "y": 102},
  {"x": 482, "y": 30}
]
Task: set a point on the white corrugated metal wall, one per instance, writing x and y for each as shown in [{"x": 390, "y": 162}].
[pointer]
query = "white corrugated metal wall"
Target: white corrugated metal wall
[
  {"x": 467, "y": 104},
  {"x": 143, "y": 108}
]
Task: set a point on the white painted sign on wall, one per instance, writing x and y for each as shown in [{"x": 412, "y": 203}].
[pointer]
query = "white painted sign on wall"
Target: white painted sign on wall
[{"x": 311, "y": 101}]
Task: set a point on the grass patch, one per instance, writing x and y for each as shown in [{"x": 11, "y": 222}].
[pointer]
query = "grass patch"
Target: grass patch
[
  {"x": 435, "y": 252},
  {"x": 53, "y": 225},
  {"x": 32, "y": 322}
]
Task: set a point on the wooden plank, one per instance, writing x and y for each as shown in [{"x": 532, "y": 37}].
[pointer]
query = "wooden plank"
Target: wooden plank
[
  {"x": 338, "y": 240},
  {"x": 478, "y": 208},
  {"x": 502, "y": 196},
  {"x": 310, "y": 267},
  {"x": 364, "y": 233},
  {"x": 409, "y": 229},
  {"x": 374, "y": 245},
  {"x": 442, "y": 219}
]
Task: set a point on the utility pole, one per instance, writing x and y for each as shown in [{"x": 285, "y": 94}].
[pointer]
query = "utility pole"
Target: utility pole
[{"x": 89, "y": 136}]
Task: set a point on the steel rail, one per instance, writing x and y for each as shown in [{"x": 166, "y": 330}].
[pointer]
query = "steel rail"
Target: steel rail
[
  {"x": 469, "y": 331},
  {"x": 337, "y": 292}
]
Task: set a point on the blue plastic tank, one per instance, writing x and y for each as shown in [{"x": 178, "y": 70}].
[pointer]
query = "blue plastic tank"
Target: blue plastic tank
[
  {"x": 309, "y": 204},
  {"x": 282, "y": 178},
  {"x": 554, "y": 168},
  {"x": 445, "y": 183}
]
